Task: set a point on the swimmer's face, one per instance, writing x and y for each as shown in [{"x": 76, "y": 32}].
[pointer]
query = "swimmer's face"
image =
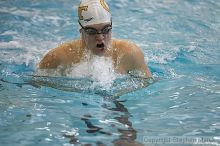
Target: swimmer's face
[{"x": 97, "y": 37}]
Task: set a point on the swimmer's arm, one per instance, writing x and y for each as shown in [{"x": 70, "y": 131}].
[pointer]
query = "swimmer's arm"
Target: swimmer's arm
[
  {"x": 65, "y": 54},
  {"x": 53, "y": 58},
  {"x": 49, "y": 61},
  {"x": 133, "y": 60},
  {"x": 139, "y": 63}
]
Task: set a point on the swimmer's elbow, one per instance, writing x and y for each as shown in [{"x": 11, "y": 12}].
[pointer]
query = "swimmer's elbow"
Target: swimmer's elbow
[{"x": 139, "y": 64}]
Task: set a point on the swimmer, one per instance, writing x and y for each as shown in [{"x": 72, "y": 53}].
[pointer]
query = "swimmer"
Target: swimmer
[{"x": 95, "y": 23}]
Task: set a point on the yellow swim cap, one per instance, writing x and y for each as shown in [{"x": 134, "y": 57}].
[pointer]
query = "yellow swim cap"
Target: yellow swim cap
[{"x": 93, "y": 12}]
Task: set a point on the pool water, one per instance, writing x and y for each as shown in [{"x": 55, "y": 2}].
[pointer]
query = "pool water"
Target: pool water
[{"x": 180, "y": 41}]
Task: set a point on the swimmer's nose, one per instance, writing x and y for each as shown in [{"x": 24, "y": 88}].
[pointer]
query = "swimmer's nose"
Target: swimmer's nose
[{"x": 99, "y": 37}]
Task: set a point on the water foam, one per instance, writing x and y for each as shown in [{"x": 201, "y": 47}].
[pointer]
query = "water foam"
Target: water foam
[{"x": 100, "y": 69}]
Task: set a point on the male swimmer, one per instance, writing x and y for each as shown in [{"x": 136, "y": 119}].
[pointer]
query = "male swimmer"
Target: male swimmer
[{"x": 96, "y": 37}]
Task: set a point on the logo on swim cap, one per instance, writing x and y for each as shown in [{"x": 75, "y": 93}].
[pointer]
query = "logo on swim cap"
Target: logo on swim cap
[
  {"x": 80, "y": 9},
  {"x": 105, "y": 6},
  {"x": 93, "y": 12}
]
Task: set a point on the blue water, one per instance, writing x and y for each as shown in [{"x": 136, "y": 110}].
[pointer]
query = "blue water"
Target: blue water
[{"x": 180, "y": 40}]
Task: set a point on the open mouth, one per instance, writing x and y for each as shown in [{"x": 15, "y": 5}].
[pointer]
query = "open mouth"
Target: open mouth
[{"x": 100, "y": 46}]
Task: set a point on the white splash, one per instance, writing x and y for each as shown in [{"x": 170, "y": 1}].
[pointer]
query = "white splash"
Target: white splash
[{"x": 100, "y": 69}]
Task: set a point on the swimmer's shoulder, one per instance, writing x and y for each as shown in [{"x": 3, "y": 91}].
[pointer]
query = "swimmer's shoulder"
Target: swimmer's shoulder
[
  {"x": 129, "y": 57},
  {"x": 66, "y": 54},
  {"x": 125, "y": 46}
]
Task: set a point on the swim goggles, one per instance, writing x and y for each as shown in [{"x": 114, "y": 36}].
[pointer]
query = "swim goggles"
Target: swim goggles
[{"x": 93, "y": 31}]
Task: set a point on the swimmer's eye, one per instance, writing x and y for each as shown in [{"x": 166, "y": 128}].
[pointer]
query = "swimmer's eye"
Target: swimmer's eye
[
  {"x": 106, "y": 30},
  {"x": 90, "y": 31},
  {"x": 93, "y": 31}
]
